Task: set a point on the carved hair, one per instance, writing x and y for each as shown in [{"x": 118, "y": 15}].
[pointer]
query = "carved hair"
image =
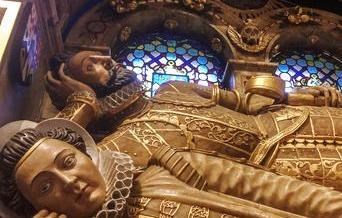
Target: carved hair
[{"x": 14, "y": 150}]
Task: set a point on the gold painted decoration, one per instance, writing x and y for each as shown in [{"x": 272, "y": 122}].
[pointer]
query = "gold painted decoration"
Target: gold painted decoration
[
  {"x": 168, "y": 209},
  {"x": 198, "y": 212}
]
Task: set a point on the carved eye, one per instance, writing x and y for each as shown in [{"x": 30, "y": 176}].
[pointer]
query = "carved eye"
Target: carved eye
[
  {"x": 90, "y": 67},
  {"x": 45, "y": 187},
  {"x": 69, "y": 162}
]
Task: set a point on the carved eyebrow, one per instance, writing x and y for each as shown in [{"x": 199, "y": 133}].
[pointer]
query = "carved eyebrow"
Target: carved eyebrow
[
  {"x": 58, "y": 156},
  {"x": 86, "y": 58}
]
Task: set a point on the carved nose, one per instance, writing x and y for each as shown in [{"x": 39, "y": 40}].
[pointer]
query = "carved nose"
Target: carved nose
[
  {"x": 72, "y": 186},
  {"x": 70, "y": 183},
  {"x": 99, "y": 67}
]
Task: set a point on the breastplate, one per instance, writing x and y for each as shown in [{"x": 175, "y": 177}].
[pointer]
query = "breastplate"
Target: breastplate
[
  {"x": 314, "y": 151},
  {"x": 209, "y": 129}
]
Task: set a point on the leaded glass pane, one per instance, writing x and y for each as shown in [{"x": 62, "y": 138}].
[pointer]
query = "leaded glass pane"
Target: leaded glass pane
[
  {"x": 157, "y": 58},
  {"x": 299, "y": 69}
]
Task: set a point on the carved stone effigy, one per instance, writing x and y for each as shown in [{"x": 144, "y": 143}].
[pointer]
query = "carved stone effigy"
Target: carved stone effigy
[{"x": 200, "y": 151}]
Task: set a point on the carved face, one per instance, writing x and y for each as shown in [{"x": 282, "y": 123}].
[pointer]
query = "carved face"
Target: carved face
[
  {"x": 250, "y": 34},
  {"x": 58, "y": 177},
  {"x": 90, "y": 68}
]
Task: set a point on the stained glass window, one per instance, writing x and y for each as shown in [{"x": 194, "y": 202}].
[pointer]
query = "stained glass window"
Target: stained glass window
[
  {"x": 157, "y": 58},
  {"x": 299, "y": 69}
]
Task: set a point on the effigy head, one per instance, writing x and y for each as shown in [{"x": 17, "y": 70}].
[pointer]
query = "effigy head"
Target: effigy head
[
  {"x": 50, "y": 171},
  {"x": 102, "y": 73},
  {"x": 90, "y": 67}
]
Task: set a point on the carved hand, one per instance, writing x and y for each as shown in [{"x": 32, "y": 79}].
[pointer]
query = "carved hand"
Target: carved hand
[
  {"x": 60, "y": 89},
  {"x": 316, "y": 96},
  {"x": 47, "y": 214}
]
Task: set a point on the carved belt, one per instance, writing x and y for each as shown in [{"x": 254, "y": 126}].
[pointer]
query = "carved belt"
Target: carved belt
[{"x": 266, "y": 145}]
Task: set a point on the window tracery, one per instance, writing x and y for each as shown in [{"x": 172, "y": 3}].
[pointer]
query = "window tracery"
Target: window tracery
[{"x": 158, "y": 57}]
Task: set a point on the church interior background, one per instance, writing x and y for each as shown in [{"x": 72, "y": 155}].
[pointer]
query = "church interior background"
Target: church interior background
[{"x": 207, "y": 42}]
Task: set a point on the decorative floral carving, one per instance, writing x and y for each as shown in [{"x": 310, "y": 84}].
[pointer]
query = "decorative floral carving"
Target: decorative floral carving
[
  {"x": 198, "y": 212},
  {"x": 123, "y": 6},
  {"x": 297, "y": 16},
  {"x": 197, "y": 5}
]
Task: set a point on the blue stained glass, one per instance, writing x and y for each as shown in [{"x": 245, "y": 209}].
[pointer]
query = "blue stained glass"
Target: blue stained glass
[
  {"x": 202, "y": 69},
  {"x": 149, "y": 47},
  {"x": 308, "y": 69},
  {"x": 283, "y": 68},
  {"x": 193, "y": 52},
  {"x": 290, "y": 61},
  {"x": 155, "y": 53},
  {"x": 329, "y": 65},
  {"x": 139, "y": 53},
  {"x": 180, "y": 50},
  {"x": 212, "y": 78},
  {"x": 301, "y": 62},
  {"x": 171, "y": 56},
  {"x": 194, "y": 63},
  {"x": 158, "y": 58},
  {"x": 309, "y": 57},
  {"x": 138, "y": 63},
  {"x": 162, "y": 78},
  {"x": 312, "y": 69},
  {"x": 319, "y": 64},
  {"x": 202, "y": 60},
  {"x": 162, "y": 48}
]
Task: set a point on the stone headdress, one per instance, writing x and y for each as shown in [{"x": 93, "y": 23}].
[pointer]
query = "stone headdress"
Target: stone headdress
[{"x": 116, "y": 168}]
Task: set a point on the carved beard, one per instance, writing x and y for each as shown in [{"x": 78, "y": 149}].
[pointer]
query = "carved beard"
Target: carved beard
[{"x": 117, "y": 80}]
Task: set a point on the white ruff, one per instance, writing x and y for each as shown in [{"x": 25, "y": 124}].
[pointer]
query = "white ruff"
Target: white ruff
[{"x": 117, "y": 169}]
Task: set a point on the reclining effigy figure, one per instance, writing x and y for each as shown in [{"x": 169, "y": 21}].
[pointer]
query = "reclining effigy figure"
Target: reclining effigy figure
[
  {"x": 54, "y": 169},
  {"x": 199, "y": 157},
  {"x": 300, "y": 141}
]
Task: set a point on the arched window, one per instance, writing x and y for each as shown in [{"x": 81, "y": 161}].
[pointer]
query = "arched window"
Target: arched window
[
  {"x": 157, "y": 58},
  {"x": 307, "y": 68}
]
